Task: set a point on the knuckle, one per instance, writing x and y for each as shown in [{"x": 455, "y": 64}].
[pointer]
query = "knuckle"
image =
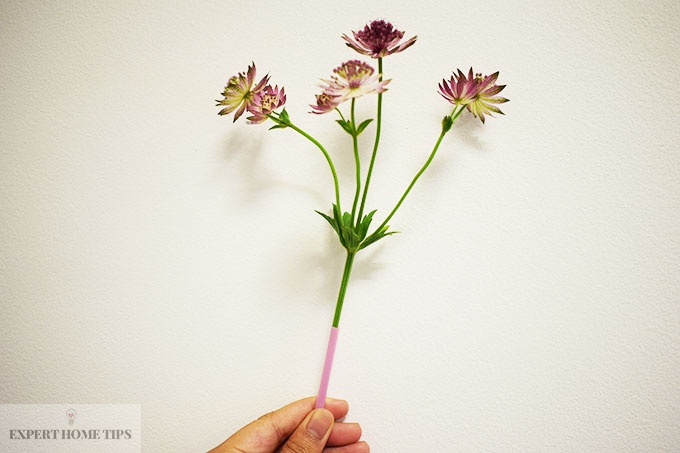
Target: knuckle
[{"x": 296, "y": 446}]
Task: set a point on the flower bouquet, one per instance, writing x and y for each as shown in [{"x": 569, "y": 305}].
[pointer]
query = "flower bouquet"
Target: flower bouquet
[{"x": 350, "y": 81}]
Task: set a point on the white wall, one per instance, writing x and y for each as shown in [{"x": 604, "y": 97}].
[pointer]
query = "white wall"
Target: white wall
[{"x": 154, "y": 253}]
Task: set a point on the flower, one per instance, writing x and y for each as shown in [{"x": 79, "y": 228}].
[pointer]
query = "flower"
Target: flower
[
  {"x": 239, "y": 92},
  {"x": 378, "y": 39},
  {"x": 265, "y": 102},
  {"x": 459, "y": 90},
  {"x": 325, "y": 103},
  {"x": 354, "y": 79},
  {"x": 477, "y": 93}
]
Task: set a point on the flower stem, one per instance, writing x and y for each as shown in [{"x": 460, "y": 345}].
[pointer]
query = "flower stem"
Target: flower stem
[
  {"x": 357, "y": 163},
  {"x": 378, "y": 124},
  {"x": 343, "y": 287},
  {"x": 328, "y": 159},
  {"x": 453, "y": 116}
]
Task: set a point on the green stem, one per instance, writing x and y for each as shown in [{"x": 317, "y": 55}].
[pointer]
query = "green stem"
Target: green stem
[
  {"x": 454, "y": 115},
  {"x": 343, "y": 287},
  {"x": 357, "y": 162},
  {"x": 328, "y": 159},
  {"x": 378, "y": 125}
]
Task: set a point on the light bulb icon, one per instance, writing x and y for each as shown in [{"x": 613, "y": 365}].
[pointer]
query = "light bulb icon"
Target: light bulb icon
[{"x": 71, "y": 416}]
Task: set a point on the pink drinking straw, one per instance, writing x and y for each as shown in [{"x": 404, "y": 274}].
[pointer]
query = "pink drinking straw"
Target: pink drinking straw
[{"x": 326, "y": 375}]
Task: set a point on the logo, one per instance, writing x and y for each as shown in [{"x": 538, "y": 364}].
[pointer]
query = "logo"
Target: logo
[
  {"x": 53, "y": 428},
  {"x": 71, "y": 416}
]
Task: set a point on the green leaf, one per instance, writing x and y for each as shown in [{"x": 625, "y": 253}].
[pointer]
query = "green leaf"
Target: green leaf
[
  {"x": 362, "y": 228},
  {"x": 283, "y": 116},
  {"x": 336, "y": 213},
  {"x": 363, "y": 125},
  {"x": 282, "y": 121},
  {"x": 329, "y": 220},
  {"x": 347, "y": 126},
  {"x": 375, "y": 237},
  {"x": 346, "y": 219}
]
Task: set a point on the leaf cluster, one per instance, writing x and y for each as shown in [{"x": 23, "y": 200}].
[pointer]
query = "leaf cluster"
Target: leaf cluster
[
  {"x": 354, "y": 237},
  {"x": 282, "y": 120},
  {"x": 348, "y": 126}
]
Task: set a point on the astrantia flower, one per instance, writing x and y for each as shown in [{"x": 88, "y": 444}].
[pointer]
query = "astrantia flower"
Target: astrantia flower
[
  {"x": 325, "y": 103},
  {"x": 353, "y": 78},
  {"x": 265, "y": 102},
  {"x": 239, "y": 92},
  {"x": 378, "y": 39},
  {"x": 475, "y": 92},
  {"x": 459, "y": 90}
]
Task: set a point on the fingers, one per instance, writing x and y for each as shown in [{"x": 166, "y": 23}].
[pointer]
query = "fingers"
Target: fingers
[
  {"x": 312, "y": 434},
  {"x": 345, "y": 439},
  {"x": 271, "y": 430},
  {"x": 344, "y": 434},
  {"x": 359, "y": 447},
  {"x": 286, "y": 419},
  {"x": 338, "y": 408}
]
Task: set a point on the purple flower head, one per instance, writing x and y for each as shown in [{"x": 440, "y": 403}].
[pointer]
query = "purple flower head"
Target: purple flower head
[
  {"x": 239, "y": 92},
  {"x": 352, "y": 79},
  {"x": 325, "y": 103},
  {"x": 476, "y": 92},
  {"x": 378, "y": 39},
  {"x": 265, "y": 102}
]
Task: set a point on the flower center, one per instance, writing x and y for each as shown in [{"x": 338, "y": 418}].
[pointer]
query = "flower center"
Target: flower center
[
  {"x": 378, "y": 34},
  {"x": 323, "y": 99},
  {"x": 268, "y": 103},
  {"x": 354, "y": 71}
]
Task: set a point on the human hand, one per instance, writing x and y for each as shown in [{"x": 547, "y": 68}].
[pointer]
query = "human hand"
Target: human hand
[{"x": 298, "y": 428}]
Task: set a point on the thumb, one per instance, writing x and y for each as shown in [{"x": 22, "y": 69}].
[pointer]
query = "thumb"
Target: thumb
[{"x": 312, "y": 434}]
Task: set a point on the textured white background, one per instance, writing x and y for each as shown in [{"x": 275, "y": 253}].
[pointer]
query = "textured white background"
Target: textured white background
[{"x": 152, "y": 252}]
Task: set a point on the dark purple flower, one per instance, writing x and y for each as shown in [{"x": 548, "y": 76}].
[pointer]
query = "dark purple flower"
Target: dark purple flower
[{"x": 378, "y": 39}]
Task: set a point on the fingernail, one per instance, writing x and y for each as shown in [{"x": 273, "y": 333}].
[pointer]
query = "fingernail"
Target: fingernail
[{"x": 320, "y": 423}]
